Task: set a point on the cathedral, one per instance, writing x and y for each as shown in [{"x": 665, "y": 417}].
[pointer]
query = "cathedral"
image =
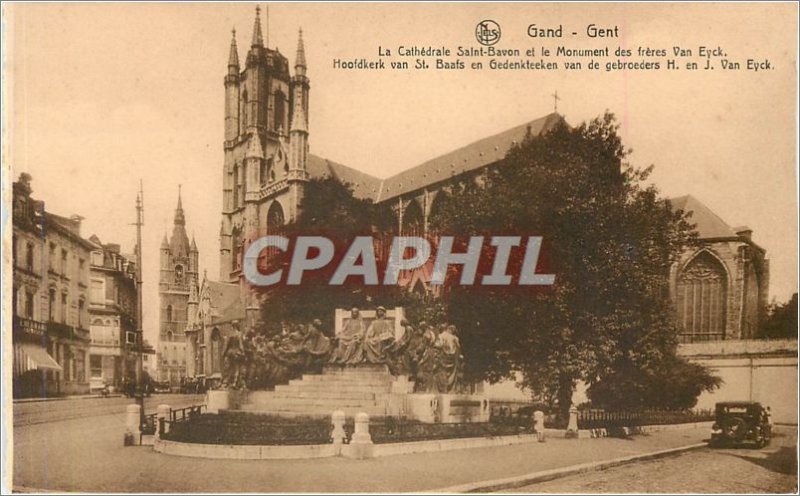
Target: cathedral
[{"x": 720, "y": 290}]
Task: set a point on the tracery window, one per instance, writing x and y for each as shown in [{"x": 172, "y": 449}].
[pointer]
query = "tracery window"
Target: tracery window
[{"x": 701, "y": 299}]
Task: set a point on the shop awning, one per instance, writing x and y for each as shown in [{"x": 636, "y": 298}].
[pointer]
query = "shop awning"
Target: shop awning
[{"x": 32, "y": 357}]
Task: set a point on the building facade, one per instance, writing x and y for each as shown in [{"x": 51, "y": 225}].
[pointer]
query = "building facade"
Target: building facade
[
  {"x": 50, "y": 299},
  {"x": 113, "y": 352},
  {"x": 720, "y": 289},
  {"x": 177, "y": 283}
]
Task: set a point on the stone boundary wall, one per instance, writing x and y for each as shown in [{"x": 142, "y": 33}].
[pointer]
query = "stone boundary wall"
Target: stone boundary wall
[{"x": 242, "y": 452}]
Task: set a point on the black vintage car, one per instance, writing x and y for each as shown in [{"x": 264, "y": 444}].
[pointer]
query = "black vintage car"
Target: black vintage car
[{"x": 739, "y": 423}]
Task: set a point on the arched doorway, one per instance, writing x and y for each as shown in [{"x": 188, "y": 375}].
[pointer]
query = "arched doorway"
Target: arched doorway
[{"x": 701, "y": 297}]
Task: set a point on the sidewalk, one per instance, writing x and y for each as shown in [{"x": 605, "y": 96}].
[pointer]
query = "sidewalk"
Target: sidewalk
[
  {"x": 120, "y": 469},
  {"x": 70, "y": 397}
]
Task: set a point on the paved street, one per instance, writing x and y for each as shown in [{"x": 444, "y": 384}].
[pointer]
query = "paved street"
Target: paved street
[
  {"x": 37, "y": 412},
  {"x": 770, "y": 470},
  {"x": 86, "y": 453}
]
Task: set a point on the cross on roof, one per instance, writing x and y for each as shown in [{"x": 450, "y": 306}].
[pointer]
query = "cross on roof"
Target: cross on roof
[{"x": 555, "y": 101}]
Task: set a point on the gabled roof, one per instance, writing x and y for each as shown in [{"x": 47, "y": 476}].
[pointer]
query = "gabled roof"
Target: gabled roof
[
  {"x": 364, "y": 185},
  {"x": 473, "y": 156},
  {"x": 708, "y": 224},
  {"x": 222, "y": 296}
]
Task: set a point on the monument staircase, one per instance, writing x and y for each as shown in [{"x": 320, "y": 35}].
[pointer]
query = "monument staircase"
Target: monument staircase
[{"x": 364, "y": 388}]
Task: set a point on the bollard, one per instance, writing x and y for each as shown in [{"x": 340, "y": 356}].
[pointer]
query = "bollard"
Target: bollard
[
  {"x": 360, "y": 446},
  {"x": 132, "y": 433},
  {"x": 338, "y": 434},
  {"x": 538, "y": 425},
  {"x": 162, "y": 415},
  {"x": 572, "y": 426}
]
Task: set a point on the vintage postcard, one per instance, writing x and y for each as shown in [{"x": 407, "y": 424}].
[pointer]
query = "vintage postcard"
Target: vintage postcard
[{"x": 400, "y": 247}]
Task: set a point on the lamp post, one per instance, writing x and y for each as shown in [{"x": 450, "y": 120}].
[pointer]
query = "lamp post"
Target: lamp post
[{"x": 139, "y": 330}]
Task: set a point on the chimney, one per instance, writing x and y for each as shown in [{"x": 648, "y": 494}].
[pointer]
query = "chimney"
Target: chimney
[
  {"x": 744, "y": 232},
  {"x": 76, "y": 223}
]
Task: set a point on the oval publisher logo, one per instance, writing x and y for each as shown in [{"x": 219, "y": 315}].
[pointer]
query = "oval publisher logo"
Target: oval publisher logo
[{"x": 487, "y": 32}]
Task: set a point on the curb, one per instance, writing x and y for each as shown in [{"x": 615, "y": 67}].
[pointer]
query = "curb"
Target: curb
[
  {"x": 557, "y": 473},
  {"x": 65, "y": 398}
]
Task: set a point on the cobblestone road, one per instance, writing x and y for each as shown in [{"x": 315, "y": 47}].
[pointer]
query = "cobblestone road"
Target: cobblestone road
[{"x": 770, "y": 470}]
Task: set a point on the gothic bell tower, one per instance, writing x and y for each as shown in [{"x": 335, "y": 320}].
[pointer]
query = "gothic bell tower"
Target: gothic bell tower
[
  {"x": 266, "y": 145},
  {"x": 178, "y": 278}
]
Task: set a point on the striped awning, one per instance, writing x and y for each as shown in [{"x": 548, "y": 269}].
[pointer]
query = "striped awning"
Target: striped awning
[{"x": 31, "y": 357}]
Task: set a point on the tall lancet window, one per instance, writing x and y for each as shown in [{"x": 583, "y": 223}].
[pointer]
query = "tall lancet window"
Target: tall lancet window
[
  {"x": 235, "y": 186},
  {"x": 701, "y": 294},
  {"x": 279, "y": 110},
  {"x": 243, "y": 113}
]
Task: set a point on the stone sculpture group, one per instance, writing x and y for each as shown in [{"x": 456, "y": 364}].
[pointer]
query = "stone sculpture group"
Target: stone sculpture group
[{"x": 429, "y": 355}]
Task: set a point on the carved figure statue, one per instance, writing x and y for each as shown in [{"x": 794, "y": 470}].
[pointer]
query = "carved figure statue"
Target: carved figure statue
[
  {"x": 349, "y": 349},
  {"x": 450, "y": 361},
  {"x": 234, "y": 360},
  {"x": 397, "y": 356},
  {"x": 317, "y": 346},
  {"x": 378, "y": 337}
]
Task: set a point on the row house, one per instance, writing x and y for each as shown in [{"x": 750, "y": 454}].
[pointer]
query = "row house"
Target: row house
[
  {"x": 50, "y": 299},
  {"x": 113, "y": 353}
]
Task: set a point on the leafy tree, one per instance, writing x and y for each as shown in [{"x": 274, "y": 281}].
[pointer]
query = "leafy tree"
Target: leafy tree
[
  {"x": 330, "y": 209},
  {"x": 781, "y": 321},
  {"x": 609, "y": 239}
]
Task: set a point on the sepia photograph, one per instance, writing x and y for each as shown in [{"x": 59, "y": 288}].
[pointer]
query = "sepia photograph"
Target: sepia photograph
[{"x": 396, "y": 247}]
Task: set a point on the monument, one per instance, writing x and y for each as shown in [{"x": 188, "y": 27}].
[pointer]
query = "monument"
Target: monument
[{"x": 377, "y": 362}]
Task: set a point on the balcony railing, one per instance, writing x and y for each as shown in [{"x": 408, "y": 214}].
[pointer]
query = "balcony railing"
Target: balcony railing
[
  {"x": 29, "y": 327},
  {"x": 67, "y": 331}
]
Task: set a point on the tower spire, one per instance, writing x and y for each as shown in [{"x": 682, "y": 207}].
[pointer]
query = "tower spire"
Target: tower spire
[
  {"x": 233, "y": 57},
  {"x": 300, "y": 59},
  {"x": 180, "y": 219},
  {"x": 258, "y": 39}
]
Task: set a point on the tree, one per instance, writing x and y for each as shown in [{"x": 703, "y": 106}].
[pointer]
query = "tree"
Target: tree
[
  {"x": 781, "y": 321},
  {"x": 609, "y": 238},
  {"x": 328, "y": 208}
]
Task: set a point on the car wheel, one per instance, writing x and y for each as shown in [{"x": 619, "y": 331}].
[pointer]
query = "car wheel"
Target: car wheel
[{"x": 735, "y": 429}]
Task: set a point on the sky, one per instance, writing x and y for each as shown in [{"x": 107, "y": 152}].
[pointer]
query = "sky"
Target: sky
[{"x": 99, "y": 96}]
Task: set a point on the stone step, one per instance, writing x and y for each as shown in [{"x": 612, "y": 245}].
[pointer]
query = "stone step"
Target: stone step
[
  {"x": 359, "y": 369},
  {"x": 313, "y": 391},
  {"x": 300, "y": 405},
  {"x": 337, "y": 384},
  {"x": 344, "y": 395},
  {"x": 320, "y": 413},
  {"x": 346, "y": 377},
  {"x": 261, "y": 400}
]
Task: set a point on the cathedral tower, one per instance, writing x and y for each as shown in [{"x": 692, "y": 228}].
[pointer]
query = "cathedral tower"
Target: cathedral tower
[
  {"x": 178, "y": 280},
  {"x": 266, "y": 147}
]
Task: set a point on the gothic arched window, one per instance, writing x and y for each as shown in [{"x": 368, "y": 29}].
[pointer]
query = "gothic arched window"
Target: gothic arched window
[
  {"x": 216, "y": 351},
  {"x": 169, "y": 313},
  {"x": 279, "y": 110},
  {"x": 243, "y": 112},
  {"x": 235, "y": 186},
  {"x": 275, "y": 216},
  {"x": 236, "y": 245},
  {"x": 701, "y": 294},
  {"x": 413, "y": 219},
  {"x": 179, "y": 274}
]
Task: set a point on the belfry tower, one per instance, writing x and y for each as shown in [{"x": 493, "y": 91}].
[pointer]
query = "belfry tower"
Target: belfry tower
[
  {"x": 266, "y": 147},
  {"x": 179, "y": 262}
]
